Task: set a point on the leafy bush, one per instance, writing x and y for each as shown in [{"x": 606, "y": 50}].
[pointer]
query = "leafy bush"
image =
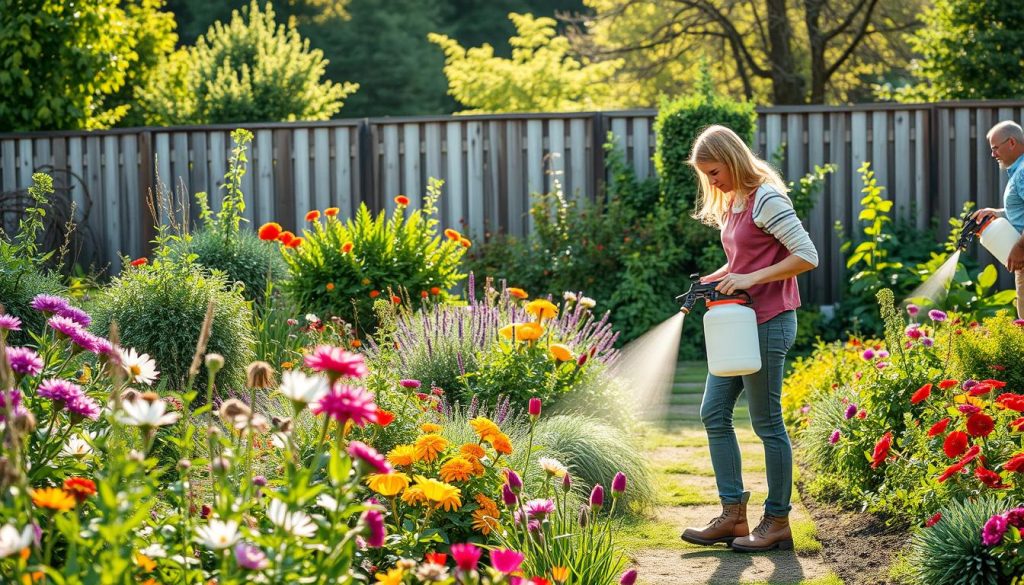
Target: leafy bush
[
  {"x": 160, "y": 307},
  {"x": 951, "y": 550},
  {"x": 252, "y": 69},
  {"x": 338, "y": 268},
  {"x": 992, "y": 349}
]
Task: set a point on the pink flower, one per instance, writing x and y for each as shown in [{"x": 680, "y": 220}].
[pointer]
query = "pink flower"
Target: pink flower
[
  {"x": 10, "y": 323},
  {"x": 466, "y": 556},
  {"x": 968, "y": 408},
  {"x": 618, "y": 484},
  {"x": 250, "y": 557},
  {"x": 59, "y": 390},
  {"x": 346, "y": 403},
  {"x": 82, "y": 407},
  {"x": 834, "y": 437},
  {"x": 336, "y": 362},
  {"x": 75, "y": 314},
  {"x": 513, "y": 481},
  {"x": 913, "y": 310},
  {"x": 373, "y": 519},
  {"x": 506, "y": 561},
  {"x": 49, "y": 303},
  {"x": 408, "y": 383},
  {"x": 628, "y": 578},
  {"x": 24, "y": 361},
  {"x": 64, "y": 326},
  {"x": 937, "y": 315},
  {"x": 994, "y": 529},
  {"x": 566, "y": 483},
  {"x": 534, "y": 407},
  {"x": 370, "y": 456},
  {"x": 868, "y": 355},
  {"x": 539, "y": 508},
  {"x": 10, "y": 399},
  {"x": 508, "y": 496},
  {"x": 1018, "y": 322},
  {"x": 913, "y": 332},
  {"x": 927, "y": 341},
  {"x": 597, "y": 496}
]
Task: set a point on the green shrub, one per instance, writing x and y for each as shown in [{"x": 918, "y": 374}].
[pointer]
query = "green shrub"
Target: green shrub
[
  {"x": 994, "y": 349},
  {"x": 341, "y": 267},
  {"x": 160, "y": 307},
  {"x": 951, "y": 551}
]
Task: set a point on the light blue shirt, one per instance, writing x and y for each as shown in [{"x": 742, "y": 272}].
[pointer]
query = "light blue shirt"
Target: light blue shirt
[{"x": 1013, "y": 196}]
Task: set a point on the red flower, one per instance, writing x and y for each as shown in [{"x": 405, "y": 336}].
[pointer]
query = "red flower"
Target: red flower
[
  {"x": 955, "y": 444},
  {"x": 385, "y": 417},
  {"x": 1017, "y": 425},
  {"x": 269, "y": 231},
  {"x": 396, "y": 299},
  {"x": 295, "y": 242},
  {"x": 435, "y": 290},
  {"x": 980, "y": 388},
  {"x": 994, "y": 383},
  {"x": 959, "y": 465},
  {"x": 862, "y": 414},
  {"x": 285, "y": 237},
  {"x": 424, "y": 294},
  {"x": 947, "y": 384},
  {"x": 881, "y": 450},
  {"x": 331, "y": 211},
  {"x": 436, "y": 557},
  {"x": 539, "y": 581},
  {"x": 347, "y": 247},
  {"x": 922, "y": 394},
  {"x": 313, "y": 215},
  {"x": 1015, "y": 463},
  {"x": 139, "y": 262},
  {"x": 980, "y": 424},
  {"x": 1011, "y": 401},
  {"x": 374, "y": 294},
  {"x": 403, "y": 200},
  {"x": 933, "y": 520},
  {"x": 939, "y": 427},
  {"x": 80, "y": 487},
  {"x": 989, "y": 478},
  {"x": 465, "y": 243},
  {"x": 998, "y": 368}
]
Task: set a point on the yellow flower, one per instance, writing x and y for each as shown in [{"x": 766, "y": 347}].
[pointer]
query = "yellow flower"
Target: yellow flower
[
  {"x": 529, "y": 332},
  {"x": 53, "y": 499},
  {"x": 962, "y": 398},
  {"x": 388, "y": 484},
  {"x": 484, "y": 427},
  {"x": 508, "y": 330},
  {"x": 456, "y": 469},
  {"x": 502, "y": 444},
  {"x": 560, "y": 574},
  {"x": 428, "y": 447},
  {"x": 542, "y": 309},
  {"x": 403, "y": 455},
  {"x": 517, "y": 293},
  {"x": 472, "y": 450},
  {"x": 393, "y": 577},
  {"x": 560, "y": 352},
  {"x": 431, "y": 428},
  {"x": 414, "y": 495},
  {"x": 444, "y": 495}
]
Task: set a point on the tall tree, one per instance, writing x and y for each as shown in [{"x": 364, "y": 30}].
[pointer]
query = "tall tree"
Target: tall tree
[
  {"x": 970, "y": 49},
  {"x": 765, "y": 49}
]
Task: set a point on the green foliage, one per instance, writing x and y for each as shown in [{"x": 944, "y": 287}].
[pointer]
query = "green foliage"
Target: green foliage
[
  {"x": 804, "y": 192},
  {"x": 951, "y": 551},
  {"x": 969, "y": 50},
  {"x": 155, "y": 38},
  {"x": 341, "y": 267},
  {"x": 992, "y": 350},
  {"x": 542, "y": 74},
  {"x": 251, "y": 69},
  {"x": 159, "y": 309},
  {"x": 70, "y": 66}
]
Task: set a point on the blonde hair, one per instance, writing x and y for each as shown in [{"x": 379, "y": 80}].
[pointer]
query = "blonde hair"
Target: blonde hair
[{"x": 718, "y": 144}]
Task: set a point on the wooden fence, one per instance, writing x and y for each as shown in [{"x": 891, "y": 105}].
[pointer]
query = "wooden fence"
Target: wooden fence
[{"x": 931, "y": 158}]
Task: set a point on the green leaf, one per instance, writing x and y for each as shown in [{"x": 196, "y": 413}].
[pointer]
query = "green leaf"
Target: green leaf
[{"x": 987, "y": 277}]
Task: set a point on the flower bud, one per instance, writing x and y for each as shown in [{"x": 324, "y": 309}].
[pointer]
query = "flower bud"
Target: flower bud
[
  {"x": 214, "y": 362},
  {"x": 534, "y": 408},
  {"x": 597, "y": 496},
  {"x": 221, "y": 464},
  {"x": 566, "y": 483},
  {"x": 584, "y": 516},
  {"x": 618, "y": 484},
  {"x": 513, "y": 481},
  {"x": 184, "y": 465},
  {"x": 259, "y": 375}
]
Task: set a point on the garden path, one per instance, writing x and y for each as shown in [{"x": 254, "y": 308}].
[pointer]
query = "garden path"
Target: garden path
[{"x": 679, "y": 456}]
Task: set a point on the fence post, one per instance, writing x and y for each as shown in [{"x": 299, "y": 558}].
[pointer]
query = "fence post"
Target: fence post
[
  {"x": 367, "y": 159},
  {"x": 598, "y": 126},
  {"x": 146, "y": 190}
]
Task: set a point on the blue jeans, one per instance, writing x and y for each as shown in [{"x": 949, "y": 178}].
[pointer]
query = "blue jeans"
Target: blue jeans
[{"x": 764, "y": 396}]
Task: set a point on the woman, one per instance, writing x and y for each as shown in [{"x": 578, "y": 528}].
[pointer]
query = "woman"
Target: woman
[{"x": 766, "y": 247}]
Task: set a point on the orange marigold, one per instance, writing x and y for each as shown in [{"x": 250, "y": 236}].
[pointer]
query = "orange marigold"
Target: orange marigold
[
  {"x": 465, "y": 243},
  {"x": 485, "y": 517},
  {"x": 313, "y": 215},
  {"x": 285, "y": 237},
  {"x": 431, "y": 428},
  {"x": 296, "y": 242},
  {"x": 428, "y": 447},
  {"x": 502, "y": 444},
  {"x": 402, "y": 200},
  {"x": 330, "y": 286},
  {"x": 331, "y": 211},
  {"x": 80, "y": 487},
  {"x": 484, "y": 427},
  {"x": 53, "y": 498},
  {"x": 456, "y": 469},
  {"x": 269, "y": 231},
  {"x": 414, "y": 495},
  {"x": 403, "y": 455},
  {"x": 346, "y": 248},
  {"x": 517, "y": 293},
  {"x": 395, "y": 299},
  {"x": 374, "y": 293},
  {"x": 473, "y": 450},
  {"x": 452, "y": 235},
  {"x": 435, "y": 290}
]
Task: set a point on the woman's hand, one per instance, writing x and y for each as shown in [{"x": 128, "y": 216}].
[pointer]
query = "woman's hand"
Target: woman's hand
[{"x": 733, "y": 282}]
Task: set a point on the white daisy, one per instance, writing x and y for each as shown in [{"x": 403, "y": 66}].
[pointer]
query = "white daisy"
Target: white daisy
[
  {"x": 145, "y": 413},
  {"x": 141, "y": 368},
  {"x": 552, "y": 467},
  {"x": 218, "y": 535},
  {"x": 76, "y": 447},
  {"x": 13, "y": 542},
  {"x": 301, "y": 388},
  {"x": 297, "y": 523},
  {"x": 154, "y": 551}
]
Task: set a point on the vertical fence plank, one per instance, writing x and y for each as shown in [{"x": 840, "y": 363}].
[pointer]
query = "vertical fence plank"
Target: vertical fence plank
[
  {"x": 432, "y": 151},
  {"x": 983, "y": 159},
  {"x": 218, "y": 166},
  {"x": 879, "y": 137},
  {"x": 263, "y": 179},
  {"x": 475, "y": 177},
  {"x": 24, "y": 163},
  {"x": 641, "y": 148},
  {"x": 200, "y": 167},
  {"x": 391, "y": 179},
  {"x": 858, "y": 155},
  {"x": 321, "y": 168},
  {"x": 620, "y": 133},
  {"x": 515, "y": 206},
  {"x": 455, "y": 199},
  {"x": 902, "y": 175},
  {"x": 131, "y": 197},
  {"x": 78, "y": 184},
  {"x": 112, "y": 202},
  {"x": 772, "y": 135},
  {"x": 496, "y": 165},
  {"x": 922, "y": 166},
  {"x": 41, "y": 151},
  {"x": 944, "y": 177},
  {"x": 300, "y": 153},
  {"x": 556, "y": 153},
  {"x": 838, "y": 207},
  {"x": 578, "y": 154},
  {"x": 8, "y": 163},
  {"x": 342, "y": 195},
  {"x": 536, "y": 163},
  {"x": 796, "y": 163},
  {"x": 817, "y": 222},
  {"x": 283, "y": 195},
  {"x": 412, "y": 185},
  {"x": 94, "y": 179},
  {"x": 961, "y": 162}
]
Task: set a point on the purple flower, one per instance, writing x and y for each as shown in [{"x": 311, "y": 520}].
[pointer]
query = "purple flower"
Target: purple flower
[
  {"x": 850, "y": 411},
  {"x": 373, "y": 519},
  {"x": 834, "y": 437},
  {"x": 566, "y": 483},
  {"x": 64, "y": 326},
  {"x": 250, "y": 557},
  {"x": 370, "y": 456},
  {"x": 1015, "y": 518},
  {"x": 868, "y": 355},
  {"x": 995, "y": 528},
  {"x": 10, "y": 399},
  {"x": 10, "y": 323},
  {"x": 59, "y": 390},
  {"x": 628, "y": 578},
  {"x": 85, "y": 340},
  {"x": 259, "y": 481},
  {"x": 508, "y": 496},
  {"x": 968, "y": 384},
  {"x": 75, "y": 314},
  {"x": 618, "y": 484},
  {"x": 346, "y": 403},
  {"x": 937, "y": 315},
  {"x": 539, "y": 508},
  {"x": 597, "y": 496},
  {"x": 82, "y": 407},
  {"x": 513, "y": 481},
  {"x": 24, "y": 361},
  {"x": 913, "y": 331},
  {"x": 410, "y": 383},
  {"x": 968, "y": 409},
  {"x": 49, "y": 303},
  {"x": 913, "y": 310},
  {"x": 882, "y": 365},
  {"x": 883, "y": 354},
  {"x": 927, "y": 341}
]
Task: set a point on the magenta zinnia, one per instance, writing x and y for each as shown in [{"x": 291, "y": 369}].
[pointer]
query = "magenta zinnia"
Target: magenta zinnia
[
  {"x": 346, "y": 403},
  {"x": 336, "y": 362},
  {"x": 370, "y": 456},
  {"x": 539, "y": 509},
  {"x": 373, "y": 519},
  {"x": 75, "y": 314},
  {"x": 506, "y": 561},
  {"x": 466, "y": 556},
  {"x": 64, "y": 326},
  {"x": 49, "y": 303},
  {"x": 10, "y": 323},
  {"x": 24, "y": 361}
]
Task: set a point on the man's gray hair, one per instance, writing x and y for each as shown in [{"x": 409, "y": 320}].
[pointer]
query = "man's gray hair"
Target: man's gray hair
[{"x": 1005, "y": 130}]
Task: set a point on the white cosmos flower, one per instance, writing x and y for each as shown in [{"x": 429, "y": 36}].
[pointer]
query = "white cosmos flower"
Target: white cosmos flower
[
  {"x": 587, "y": 302},
  {"x": 552, "y": 466},
  {"x": 76, "y": 447},
  {"x": 297, "y": 523},
  {"x": 301, "y": 388},
  {"x": 13, "y": 542},
  {"x": 327, "y": 503},
  {"x": 144, "y": 413},
  {"x": 218, "y": 535},
  {"x": 141, "y": 368},
  {"x": 154, "y": 551}
]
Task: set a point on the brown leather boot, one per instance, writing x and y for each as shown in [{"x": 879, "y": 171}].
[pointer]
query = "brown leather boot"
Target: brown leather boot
[
  {"x": 731, "y": 524},
  {"x": 771, "y": 533}
]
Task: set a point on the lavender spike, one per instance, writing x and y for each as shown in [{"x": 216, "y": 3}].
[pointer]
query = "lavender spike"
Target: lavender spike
[{"x": 471, "y": 286}]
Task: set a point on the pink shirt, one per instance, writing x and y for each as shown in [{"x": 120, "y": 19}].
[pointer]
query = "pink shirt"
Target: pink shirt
[{"x": 749, "y": 249}]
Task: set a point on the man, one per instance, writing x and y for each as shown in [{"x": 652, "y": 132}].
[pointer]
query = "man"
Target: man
[{"x": 1007, "y": 142}]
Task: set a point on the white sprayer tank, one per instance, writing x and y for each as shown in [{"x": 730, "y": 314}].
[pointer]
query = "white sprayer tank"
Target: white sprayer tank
[
  {"x": 998, "y": 236},
  {"x": 730, "y": 336}
]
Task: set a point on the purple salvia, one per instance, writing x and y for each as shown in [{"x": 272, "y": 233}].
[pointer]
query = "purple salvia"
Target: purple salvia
[
  {"x": 430, "y": 348},
  {"x": 474, "y": 404},
  {"x": 458, "y": 358},
  {"x": 460, "y": 327},
  {"x": 471, "y": 288}
]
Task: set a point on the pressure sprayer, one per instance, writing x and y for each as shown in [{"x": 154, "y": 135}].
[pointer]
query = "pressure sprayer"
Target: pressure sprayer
[
  {"x": 730, "y": 328},
  {"x": 996, "y": 235}
]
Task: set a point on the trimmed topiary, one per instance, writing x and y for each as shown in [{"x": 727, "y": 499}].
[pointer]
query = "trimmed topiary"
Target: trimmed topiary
[
  {"x": 951, "y": 550},
  {"x": 159, "y": 309}
]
